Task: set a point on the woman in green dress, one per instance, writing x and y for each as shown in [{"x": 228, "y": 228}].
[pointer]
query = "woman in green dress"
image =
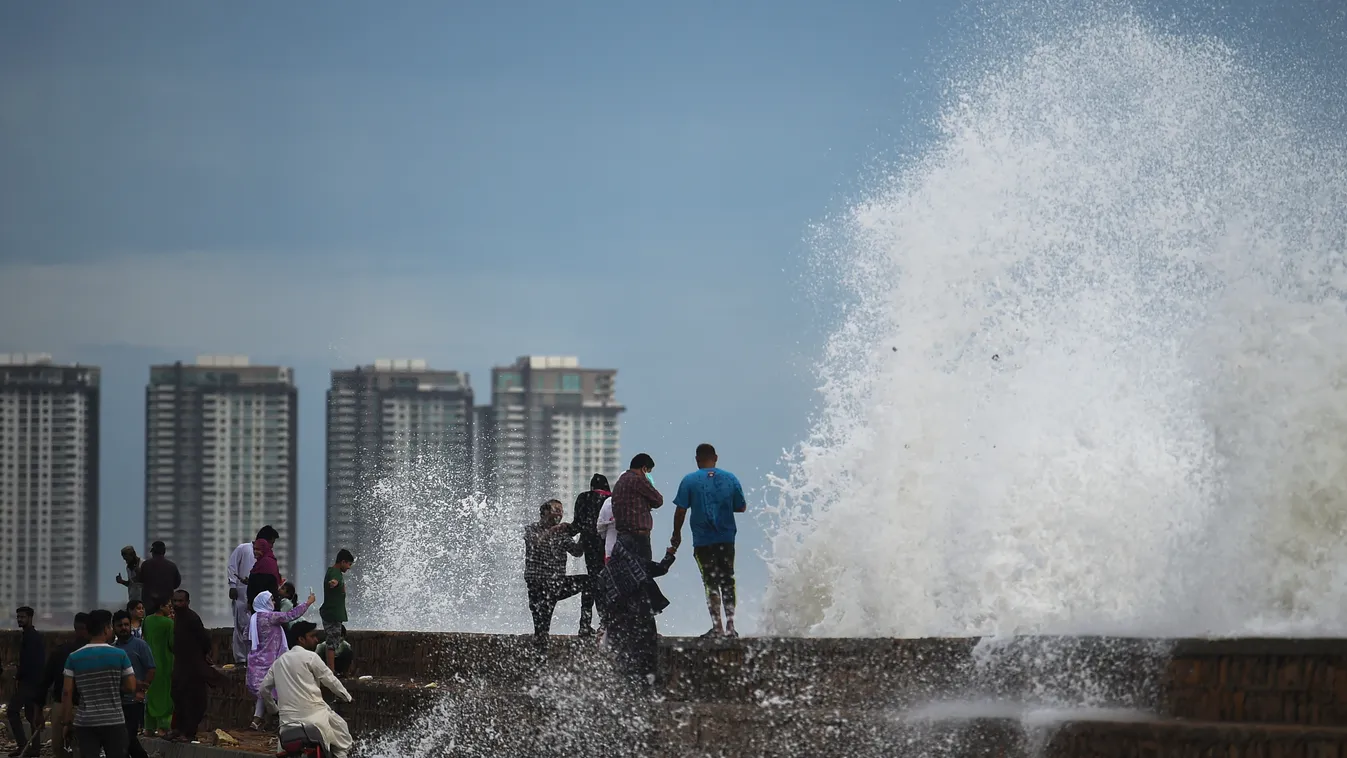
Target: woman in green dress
[{"x": 158, "y": 634}]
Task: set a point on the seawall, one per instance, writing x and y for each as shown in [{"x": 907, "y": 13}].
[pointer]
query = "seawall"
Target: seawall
[{"x": 1056, "y": 696}]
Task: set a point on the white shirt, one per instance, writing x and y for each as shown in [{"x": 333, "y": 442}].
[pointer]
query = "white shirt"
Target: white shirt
[
  {"x": 241, "y": 565},
  {"x": 605, "y": 527},
  {"x": 298, "y": 677}
]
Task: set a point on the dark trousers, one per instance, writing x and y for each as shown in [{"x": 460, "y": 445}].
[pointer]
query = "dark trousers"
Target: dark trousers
[
  {"x": 543, "y": 598},
  {"x": 26, "y": 702},
  {"x": 593, "y": 565},
  {"x": 189, "y": 709},
  {"x": 637, "y": 544},
  {"x": 109, "y": 739},
  {"x": 635, "y": 641},
  {"x": 135, "y": 718}
]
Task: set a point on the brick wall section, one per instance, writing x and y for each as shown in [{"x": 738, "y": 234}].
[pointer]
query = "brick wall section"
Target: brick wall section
[
  {"x": 1095, "y": 739},
  {"x": 1268, "y": 681}
]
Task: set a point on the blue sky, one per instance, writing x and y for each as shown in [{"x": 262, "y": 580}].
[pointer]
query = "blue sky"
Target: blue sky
[{"x": 628, "y": 183}]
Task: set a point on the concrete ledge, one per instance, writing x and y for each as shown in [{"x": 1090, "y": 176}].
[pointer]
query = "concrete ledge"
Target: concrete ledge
[{"x": 179, "y": 750}]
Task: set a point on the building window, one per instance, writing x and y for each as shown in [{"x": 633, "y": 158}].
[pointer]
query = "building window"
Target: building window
[{"x": 570, "y": 383}]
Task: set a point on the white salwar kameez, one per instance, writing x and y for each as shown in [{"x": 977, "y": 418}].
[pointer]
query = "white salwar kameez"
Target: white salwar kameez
[
  {"x": 240, "y": 566},
  {"x": 298, "y": 677}
]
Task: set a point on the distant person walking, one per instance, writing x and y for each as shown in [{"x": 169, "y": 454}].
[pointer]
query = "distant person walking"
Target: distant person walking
[
  {"x": 27, "y": 698},
  {"x": 634, "y": 497},
  {"x": 585, "y": 524},
  {"x": 546, "y": 545},
  {"x": 159, "y": 576},
  {"x": 142, "y": 662},
  {"x": 713, "y": 495},
  {"x": 333, "y": 610},
  {"x": 240, "y": 567},
  {"x": 132, "y": 581},
  {"x": 266, "y": 635},
  {"x": 193, "y": 669},
  {"x": 101, "y": 673},
  {"x": 158, "y": 634}
]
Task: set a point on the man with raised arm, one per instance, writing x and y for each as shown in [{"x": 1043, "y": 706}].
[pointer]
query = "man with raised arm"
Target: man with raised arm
[{"x": 713, "y": 495}]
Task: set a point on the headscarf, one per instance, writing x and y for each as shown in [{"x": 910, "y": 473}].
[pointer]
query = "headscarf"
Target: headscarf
[
  {"x": 261, "y": 603},
  {"x": 267, "y": 563}
]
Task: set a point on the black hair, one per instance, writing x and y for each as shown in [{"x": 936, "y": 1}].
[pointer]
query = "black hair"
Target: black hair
[
  {"x": 288, "y": 590},
  {"x": 547, "y": 506},
  {"x": 131, "y": 606},
  {"x": 599, "y": 482},
  {"x": 345, "y": 556},
  {"x": 25, "y": 610},
  {"x": 185, "y": 595},
  {"x": 81, "y": 621},
  {"x": 158, "y": 549},
  {"x": 268, "y": 533},
  {"x": 642, "y": 460},
  {"x": 705, "y": 452},
  {"x": 97, "y": 622},
  {"x": 302, "y": 628},
  {"x": 118, "y": 616}
]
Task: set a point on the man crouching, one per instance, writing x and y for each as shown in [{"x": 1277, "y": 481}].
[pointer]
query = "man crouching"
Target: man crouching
[{"x": 298, "y": 677}]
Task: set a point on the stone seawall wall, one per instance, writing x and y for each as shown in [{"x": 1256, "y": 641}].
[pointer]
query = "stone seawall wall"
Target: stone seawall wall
[
  {"x": 851, "y": 698},
  {"x": 1293, "y": 682},
  {"x": 1274, "y": 681}
]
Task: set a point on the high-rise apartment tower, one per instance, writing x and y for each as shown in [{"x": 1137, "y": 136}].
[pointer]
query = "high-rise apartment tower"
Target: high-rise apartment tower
[
  {"x": 552, "y": 425},
  {"x": 48, "y": 485},
  {"x": 384, "y": 417},
  {"x": 220, "y": 462}
]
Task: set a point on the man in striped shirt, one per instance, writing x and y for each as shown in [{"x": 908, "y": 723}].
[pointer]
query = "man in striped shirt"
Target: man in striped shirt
[{"x": 102, "y": 673}]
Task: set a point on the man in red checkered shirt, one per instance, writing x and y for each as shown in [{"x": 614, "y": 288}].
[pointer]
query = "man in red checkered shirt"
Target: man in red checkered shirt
[{"x": 634, "y": 496}]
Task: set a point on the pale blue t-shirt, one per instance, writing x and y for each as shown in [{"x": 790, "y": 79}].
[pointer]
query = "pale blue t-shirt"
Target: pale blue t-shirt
[{"x": 714, "y": 496}]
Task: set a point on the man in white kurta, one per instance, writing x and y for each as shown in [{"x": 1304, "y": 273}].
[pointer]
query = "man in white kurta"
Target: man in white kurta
[
  {"x": 240, "y": 566},
  {"x": 298, "y": 677}
]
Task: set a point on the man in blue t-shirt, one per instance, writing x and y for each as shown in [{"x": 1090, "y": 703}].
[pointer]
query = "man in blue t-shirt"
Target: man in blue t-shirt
[{"x": 714, "y": 496}]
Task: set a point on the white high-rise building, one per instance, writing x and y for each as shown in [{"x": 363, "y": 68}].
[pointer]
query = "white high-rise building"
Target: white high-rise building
[
  {"x": 550, "y": 427},
  {"x": 220, "y": 462},
  {"x": 48, "y": 485},
  {"x": 380, "y": 418}
]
